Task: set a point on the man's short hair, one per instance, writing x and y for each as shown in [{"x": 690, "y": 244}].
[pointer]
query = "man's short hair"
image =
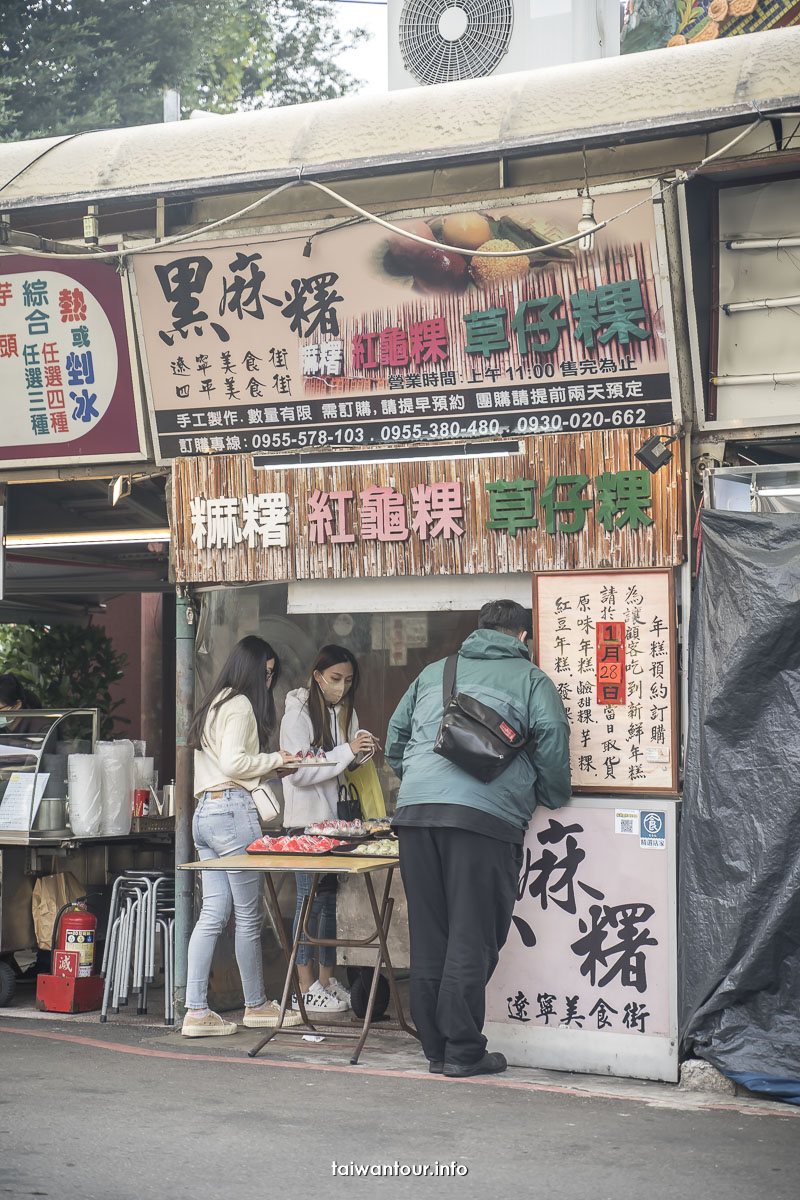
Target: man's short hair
[{"x": 505, "y": 616}]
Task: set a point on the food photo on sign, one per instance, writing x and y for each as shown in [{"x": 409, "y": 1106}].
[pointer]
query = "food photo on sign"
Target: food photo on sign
[{"x": 374, "y": 338}]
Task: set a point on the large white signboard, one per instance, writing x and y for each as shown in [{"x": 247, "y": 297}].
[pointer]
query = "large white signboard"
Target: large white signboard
[{"x": 587, "y": 978}]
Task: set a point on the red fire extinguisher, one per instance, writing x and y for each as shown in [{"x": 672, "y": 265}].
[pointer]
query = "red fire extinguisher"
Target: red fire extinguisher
[{"x": 75, "y": 929}]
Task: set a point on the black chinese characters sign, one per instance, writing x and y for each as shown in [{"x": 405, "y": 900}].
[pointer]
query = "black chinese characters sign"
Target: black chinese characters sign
[
  {"x": 587, "y": 977},
  {"x": 254, "y": 348}
]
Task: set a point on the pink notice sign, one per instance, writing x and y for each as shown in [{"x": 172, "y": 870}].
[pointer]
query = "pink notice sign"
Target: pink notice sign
[
  {"x": 65, "y": 374},
  {"x": 589, "y": 945}
]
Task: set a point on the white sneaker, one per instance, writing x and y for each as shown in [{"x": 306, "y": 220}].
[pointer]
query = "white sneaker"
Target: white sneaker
[
  {"x": 319, "y": 1000},
  {"x": 337, "y": 989}
]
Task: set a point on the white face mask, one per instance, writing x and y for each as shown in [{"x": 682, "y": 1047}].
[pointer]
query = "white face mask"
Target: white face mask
[
  {"x": 332, "y": 692},
  {"x": 3, "y": 722}
]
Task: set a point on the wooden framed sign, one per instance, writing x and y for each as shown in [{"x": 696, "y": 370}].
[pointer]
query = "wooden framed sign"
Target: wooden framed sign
[{"x": 607, "y": 639}]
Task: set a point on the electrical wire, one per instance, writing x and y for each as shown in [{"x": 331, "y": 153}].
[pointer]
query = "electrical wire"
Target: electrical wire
[
  {"x": 67, "y": 138},
  {"x": 415, "y": 237},
  {"x": 156, "y": 245}
]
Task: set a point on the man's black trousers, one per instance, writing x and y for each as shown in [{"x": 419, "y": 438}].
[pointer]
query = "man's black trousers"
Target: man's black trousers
[{"x": 461, "y": 888}]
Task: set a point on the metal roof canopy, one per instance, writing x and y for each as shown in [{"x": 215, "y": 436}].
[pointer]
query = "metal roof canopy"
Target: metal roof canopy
[
  {"x": 67, "y": 582},
  {"x": 532, "y": 113}
]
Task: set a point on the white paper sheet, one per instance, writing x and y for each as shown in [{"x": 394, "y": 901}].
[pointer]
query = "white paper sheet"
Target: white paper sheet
[{"x": 15, "y": 807}]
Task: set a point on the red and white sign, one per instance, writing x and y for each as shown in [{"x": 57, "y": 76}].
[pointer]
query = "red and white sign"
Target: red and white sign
[
  {"x": 65, "y": 371},
  {"x": 66, "y": 963}
]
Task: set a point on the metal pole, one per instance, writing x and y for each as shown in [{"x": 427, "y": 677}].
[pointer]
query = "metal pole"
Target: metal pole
[{"x": 184, "y": 707}]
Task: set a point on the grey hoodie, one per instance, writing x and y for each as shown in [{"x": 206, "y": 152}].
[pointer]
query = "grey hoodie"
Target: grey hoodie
[{"x": 311, "y": 794}]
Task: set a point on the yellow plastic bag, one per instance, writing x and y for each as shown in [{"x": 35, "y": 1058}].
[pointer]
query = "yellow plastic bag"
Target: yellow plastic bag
[{"x": 364, "y": 787}]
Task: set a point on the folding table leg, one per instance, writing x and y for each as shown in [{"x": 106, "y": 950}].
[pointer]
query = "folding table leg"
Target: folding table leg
[
  {"x": 373, "y": 991},
  {"x": 383, "y": 940},
  {"x": 292, "y": 978}
]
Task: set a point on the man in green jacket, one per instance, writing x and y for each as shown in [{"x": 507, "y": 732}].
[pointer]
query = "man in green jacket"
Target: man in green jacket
[{"x": 461, "y": 839}]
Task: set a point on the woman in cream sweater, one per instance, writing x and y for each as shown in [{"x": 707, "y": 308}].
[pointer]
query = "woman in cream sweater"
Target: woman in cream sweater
[{"x": 229, "y": 734}]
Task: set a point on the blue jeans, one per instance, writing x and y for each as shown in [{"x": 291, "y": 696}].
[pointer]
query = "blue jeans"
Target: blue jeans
[
  {"x": 321, "y": 923},
  {"x": 222, "y": 826}
]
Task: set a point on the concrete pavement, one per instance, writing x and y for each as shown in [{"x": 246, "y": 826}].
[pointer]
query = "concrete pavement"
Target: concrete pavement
[{"x": 131, "y": 1110}]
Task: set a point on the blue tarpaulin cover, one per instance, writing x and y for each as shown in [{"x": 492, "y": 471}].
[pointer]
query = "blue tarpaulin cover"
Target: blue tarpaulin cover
[{"x": 739, "y": 921}]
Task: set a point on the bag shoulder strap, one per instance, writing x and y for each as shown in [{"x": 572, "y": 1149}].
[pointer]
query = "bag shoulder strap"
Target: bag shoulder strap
[{"x": 449, "y": 678}]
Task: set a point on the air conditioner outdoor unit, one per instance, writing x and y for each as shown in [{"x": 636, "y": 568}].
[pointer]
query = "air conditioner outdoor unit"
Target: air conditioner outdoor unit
[{"x": 440, "y": 41}]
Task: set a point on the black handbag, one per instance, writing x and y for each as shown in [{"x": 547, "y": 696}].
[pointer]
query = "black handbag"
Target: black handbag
[
  {"x": 474, "y": 736},
  {"x": 348, "y": 806}
]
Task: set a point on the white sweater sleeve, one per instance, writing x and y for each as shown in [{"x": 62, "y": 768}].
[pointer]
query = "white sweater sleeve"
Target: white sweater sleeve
[{"x": 237, "y": 731}]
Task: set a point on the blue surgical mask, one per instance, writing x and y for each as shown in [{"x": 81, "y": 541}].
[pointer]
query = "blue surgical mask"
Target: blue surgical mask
[{"x": 3, "y": 722}]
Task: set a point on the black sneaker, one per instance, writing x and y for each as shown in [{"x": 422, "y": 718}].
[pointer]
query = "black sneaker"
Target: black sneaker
[
  {"x": 490, "y": 1064},
  {"x": 435, "y": 1066}
]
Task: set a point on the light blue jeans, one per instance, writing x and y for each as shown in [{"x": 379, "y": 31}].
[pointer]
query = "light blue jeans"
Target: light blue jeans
[
  {"x": 321, "y": 923},
  {"x": 226, "y": 825}
]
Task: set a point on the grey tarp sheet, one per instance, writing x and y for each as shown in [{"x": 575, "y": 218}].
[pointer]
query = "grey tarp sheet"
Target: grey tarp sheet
[{"x": 739, "y": 931}]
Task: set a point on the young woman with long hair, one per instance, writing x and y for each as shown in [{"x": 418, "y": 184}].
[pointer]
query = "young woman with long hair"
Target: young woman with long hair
[
  {"x": 229, "y": 736},
  {"x": 323, "y": 717}
]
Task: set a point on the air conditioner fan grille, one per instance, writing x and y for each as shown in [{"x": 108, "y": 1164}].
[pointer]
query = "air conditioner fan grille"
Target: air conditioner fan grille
[{"x": 433, "y": 58}]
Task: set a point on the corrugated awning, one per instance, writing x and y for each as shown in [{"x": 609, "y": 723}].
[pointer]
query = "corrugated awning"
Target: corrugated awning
[{"x": 636, "y": 97}]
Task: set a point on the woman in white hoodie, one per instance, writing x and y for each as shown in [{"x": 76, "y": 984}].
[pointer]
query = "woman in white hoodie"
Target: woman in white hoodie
[{"x": 321, "y": 717}]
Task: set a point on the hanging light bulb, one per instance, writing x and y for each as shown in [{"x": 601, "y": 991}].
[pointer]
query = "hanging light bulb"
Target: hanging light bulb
[{"x": 587, "y": 222}]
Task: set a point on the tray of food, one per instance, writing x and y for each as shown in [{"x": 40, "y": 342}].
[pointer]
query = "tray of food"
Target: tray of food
[
  {"x": 384, "y": 848},
  {"x": 311, "y": 758},
  {"x": 378, "y": 825},
  {"x": 295, "y": 844},
  {"x": 347, "y": 830}
]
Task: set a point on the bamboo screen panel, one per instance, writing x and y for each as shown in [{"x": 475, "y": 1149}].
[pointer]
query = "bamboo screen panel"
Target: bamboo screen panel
[{"x": 478, "y": 551}]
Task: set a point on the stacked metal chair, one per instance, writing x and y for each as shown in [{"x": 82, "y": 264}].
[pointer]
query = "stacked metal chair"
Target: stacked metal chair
[{"x": 142, "y": 914}]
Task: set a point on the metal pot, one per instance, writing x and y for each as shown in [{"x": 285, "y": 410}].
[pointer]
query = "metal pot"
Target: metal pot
[{"x": 52, "y": 814}]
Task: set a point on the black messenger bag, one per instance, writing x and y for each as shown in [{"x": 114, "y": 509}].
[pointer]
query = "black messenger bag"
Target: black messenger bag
[{"x": 474, "y": 736}]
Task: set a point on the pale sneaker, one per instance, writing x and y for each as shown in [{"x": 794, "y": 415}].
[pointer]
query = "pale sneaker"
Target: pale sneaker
[
  {"x": 211, "y": 1025},
  {"x": 338, "y": 990},
  {"x": 267, "y": 1017},
  {"x": 318, "y": 1000}
]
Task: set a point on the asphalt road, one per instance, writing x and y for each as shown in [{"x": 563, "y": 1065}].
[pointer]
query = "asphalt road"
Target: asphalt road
[{"x": 116, "y": 1116}]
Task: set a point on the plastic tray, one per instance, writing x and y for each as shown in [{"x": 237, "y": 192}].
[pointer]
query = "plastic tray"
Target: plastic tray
[{"x": 357, "y": 852}]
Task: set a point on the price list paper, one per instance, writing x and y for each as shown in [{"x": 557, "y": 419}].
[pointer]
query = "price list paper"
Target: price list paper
[{"x": 607, "y": 640}]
